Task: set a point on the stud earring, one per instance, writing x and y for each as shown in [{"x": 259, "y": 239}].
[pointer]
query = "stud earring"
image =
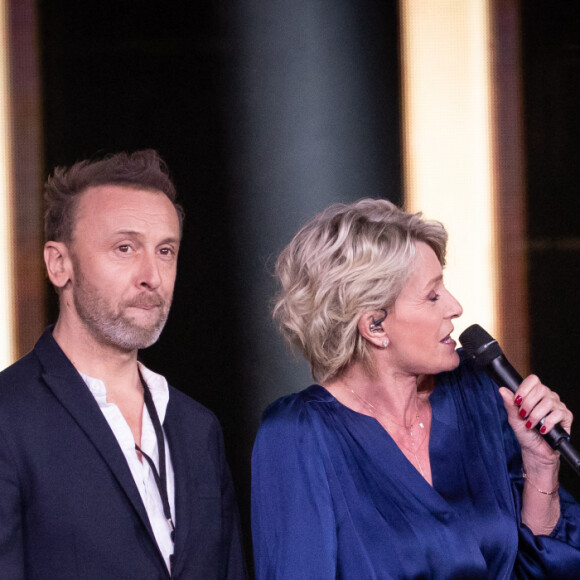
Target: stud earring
[{"x": 385, "y": 343}]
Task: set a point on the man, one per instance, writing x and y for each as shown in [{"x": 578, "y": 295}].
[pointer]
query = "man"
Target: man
[{"x": 106, "y": 471}]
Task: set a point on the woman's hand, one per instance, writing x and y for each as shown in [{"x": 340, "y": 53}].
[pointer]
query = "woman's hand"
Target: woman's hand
[{"x": 532, "y": 403}]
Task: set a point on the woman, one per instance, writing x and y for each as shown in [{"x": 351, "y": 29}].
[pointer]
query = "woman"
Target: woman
[{"x": 404, "y": 461}]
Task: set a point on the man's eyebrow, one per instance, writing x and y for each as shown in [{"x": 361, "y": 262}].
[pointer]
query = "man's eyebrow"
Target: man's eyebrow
[
  {"x": 170, "y": 240},
  {"x": 137, "y": 235}
]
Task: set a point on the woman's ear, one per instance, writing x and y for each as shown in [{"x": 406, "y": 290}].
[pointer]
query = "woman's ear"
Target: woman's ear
[
  {"x": 370, "y": 326},
  {"x": 58, "y": 263}
]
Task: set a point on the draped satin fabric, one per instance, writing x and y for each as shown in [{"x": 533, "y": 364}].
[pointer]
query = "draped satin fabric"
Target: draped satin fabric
[{"x": 334, "y": 497}]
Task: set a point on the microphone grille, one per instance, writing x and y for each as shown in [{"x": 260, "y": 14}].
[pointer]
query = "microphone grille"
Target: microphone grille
[
  {"x": 473, "y": 338},
  {"x": 479, "y": 344}
]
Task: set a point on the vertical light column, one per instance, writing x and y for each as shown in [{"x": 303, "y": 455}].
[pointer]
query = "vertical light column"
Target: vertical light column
[
  {"x": 448, "y": 142},
  {"x": 7, "y": 351},
  {"x": 22, "y": 281}
]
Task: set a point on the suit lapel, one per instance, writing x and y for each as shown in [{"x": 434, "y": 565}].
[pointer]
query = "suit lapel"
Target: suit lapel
[
  {"x": 185, "y": 491},
  {"x": 70, "y": 389}
]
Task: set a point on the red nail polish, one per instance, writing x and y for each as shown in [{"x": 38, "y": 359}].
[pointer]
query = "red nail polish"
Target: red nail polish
[
  {"x": 523, "y": 413},
  {"x": 518, "y": 400},
  {"x": 529, "y": 425},
  {"x": 542, "y": 429}
]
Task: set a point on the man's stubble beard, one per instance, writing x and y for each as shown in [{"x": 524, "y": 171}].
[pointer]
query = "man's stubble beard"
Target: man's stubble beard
[{"x": 111, "y": 327}]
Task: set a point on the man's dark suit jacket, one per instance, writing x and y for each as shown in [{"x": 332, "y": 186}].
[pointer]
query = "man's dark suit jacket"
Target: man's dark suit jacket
[{"x": 69, "y": 507}]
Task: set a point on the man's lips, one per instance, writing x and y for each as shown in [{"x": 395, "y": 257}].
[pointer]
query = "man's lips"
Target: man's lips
[{"x": 146, "y": 303}]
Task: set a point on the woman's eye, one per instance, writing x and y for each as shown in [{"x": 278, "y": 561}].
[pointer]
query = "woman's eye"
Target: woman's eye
[{"x": 433, "y": 297}]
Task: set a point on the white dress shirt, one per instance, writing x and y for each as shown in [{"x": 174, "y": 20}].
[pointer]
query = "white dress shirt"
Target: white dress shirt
[{"x": 142, "y": 473}]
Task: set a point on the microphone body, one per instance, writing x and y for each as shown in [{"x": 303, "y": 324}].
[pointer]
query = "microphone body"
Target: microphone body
[{"x": 486, "y": 353}]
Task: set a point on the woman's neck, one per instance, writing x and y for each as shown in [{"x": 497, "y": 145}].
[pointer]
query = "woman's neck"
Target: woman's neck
[{"x": 394, "y": 395}]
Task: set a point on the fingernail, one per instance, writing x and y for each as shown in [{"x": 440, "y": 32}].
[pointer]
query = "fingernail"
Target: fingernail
[
  {"x": 542, "y": 429},
  {"x": 518, "y": 400},
  {"x": 523, "y": 413},
  {"x": 529, "y": 425}
]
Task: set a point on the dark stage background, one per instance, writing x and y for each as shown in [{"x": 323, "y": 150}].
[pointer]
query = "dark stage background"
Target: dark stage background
[
  {"x": 551, "y": 75},
  {"x": 266, "y": 112}
]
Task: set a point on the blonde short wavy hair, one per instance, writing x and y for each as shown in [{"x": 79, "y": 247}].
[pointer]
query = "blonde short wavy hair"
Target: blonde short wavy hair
[{"x": 349, "y": 259}]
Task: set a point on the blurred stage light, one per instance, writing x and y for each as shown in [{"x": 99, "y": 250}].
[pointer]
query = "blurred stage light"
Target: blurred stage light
[
  {"x": 448, "y": 141},
  {"x": 7, "y": 350}
]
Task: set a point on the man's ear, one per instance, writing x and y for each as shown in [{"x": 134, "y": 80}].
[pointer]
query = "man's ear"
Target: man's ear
[
  {"x": 370, "y": 326},
  {"x": 58, "y": 263}
]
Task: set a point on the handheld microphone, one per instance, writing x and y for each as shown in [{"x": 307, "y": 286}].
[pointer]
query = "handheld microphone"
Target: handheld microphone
[{"x": 486, "y": 353}]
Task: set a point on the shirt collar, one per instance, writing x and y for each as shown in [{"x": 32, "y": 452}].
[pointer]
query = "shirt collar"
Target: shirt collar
[{"x": 157, "y": 385}]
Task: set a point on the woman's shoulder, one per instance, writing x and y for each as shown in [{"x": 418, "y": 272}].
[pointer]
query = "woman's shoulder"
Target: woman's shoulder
[
  {"x": 295, "y": 405},
  {"x": 290, "y": 425}
]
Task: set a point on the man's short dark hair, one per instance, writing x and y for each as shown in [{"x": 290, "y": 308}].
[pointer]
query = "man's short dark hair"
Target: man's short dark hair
[{"x": 139, "y": 170}]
